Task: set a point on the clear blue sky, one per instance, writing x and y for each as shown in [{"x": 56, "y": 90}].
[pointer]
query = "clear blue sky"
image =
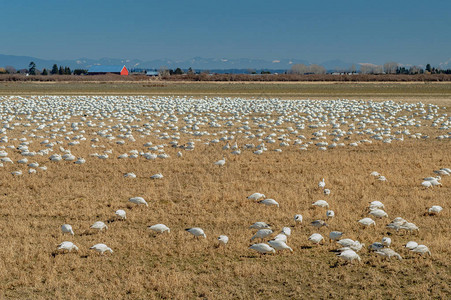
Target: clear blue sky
[{"x": 414, "y": 32}]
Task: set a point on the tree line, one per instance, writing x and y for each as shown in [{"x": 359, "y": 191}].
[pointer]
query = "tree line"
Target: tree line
[
  {"x": 367, "y": 68},
  {"x": 32, "y": 70}
]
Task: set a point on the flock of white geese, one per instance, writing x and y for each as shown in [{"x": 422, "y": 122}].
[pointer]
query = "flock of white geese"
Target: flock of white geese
[{"x": 53, "y": 127}]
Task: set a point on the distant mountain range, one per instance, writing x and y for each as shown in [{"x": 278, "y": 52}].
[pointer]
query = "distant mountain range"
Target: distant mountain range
[{"x": 197, "y": 63}]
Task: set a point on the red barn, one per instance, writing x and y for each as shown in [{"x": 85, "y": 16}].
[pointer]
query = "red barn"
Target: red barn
[{"x": 96, "y": 70}]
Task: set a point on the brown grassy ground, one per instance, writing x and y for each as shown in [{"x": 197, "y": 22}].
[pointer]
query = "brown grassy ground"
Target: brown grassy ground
[
  {"x": 194, "y": 192},
  {"x": 399, "y": 91}
]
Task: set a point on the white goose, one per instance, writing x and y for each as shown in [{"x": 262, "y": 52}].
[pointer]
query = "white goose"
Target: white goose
[
  {"x": 316, "y": 238},
  {"x": 262, "y": 248},
  {"x": 138, "y": 200},
  {"x": 256, "y": 196},
  {"x": 259, "y": 225},
  {"x": 99, "y": 225},
  {"x": 349, "y": 255},
  {"x": 298, "y": 218},
  {"x": 223, "y": 239},
  {"x": 221, "y": 162},
  {"x": 269, "y": 202},
  {"x": 196, "y": 232},
  {"x": 66, "y": 228},
  {"x": 261, "y": 234},
  {"x": 121, "y": 213},
  {"x": 321, "y": 203},
  {"x": 101, "y": 248},
  {"x": 69, "y": 246},
  {"x": 159, "y": 228},
  {"x": 367, "y": 222},
  {"x": 279, "y": 245}
]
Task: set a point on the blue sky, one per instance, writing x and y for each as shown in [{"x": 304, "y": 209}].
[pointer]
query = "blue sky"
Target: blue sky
[{"x": 409, "y": 32}]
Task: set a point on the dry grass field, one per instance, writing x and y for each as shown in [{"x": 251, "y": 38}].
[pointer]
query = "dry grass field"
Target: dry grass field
[
  {"x": 196, "y": 193},
  {"x": 401, "y": 91}
]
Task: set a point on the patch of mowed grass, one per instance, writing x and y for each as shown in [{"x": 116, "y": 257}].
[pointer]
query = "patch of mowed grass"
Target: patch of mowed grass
[{"x": 194, "y": 192}]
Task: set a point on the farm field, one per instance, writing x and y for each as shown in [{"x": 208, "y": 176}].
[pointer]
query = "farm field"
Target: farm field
[
  {"x": 286, "y": 147},
  {"x": 315, "y": 90}
]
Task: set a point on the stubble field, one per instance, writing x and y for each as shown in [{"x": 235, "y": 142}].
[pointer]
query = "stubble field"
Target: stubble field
[{"x": 197, "y": 193}]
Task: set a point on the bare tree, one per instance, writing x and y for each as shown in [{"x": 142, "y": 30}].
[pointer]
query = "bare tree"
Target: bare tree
[
  {"x": 390, "y": 67},
  {"x": 367, "y": 68},
  {"x": 414, "y": 70},
  {"x": 10, "y": 69},
  {"x": 299, "y": 69},
  {"x": 317, "y": 69},
  {"x": 163, "y": 71}
]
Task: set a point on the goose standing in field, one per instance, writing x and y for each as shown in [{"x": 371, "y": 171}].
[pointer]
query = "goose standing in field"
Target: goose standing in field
[
  {"x": 262, "y": 248},
  {"x": 435, "y": 183},
  {"x": 396, "y": 223},
  {"x": 99, "y": 225},
  {"x": 426, "y": 184},
  {"x": 386, "y": 241},
  {"x": 335, "y": 235},
  {"x": 379, "y": 213},
  {"x": 435, "y": 209},
  {"x": 66, "y": 228},
  {"x": 357, "y": 246},
  {"x": 261, "y": 234},
  {"x": 376, "y": 205},
  {"x": 196, "y": 232},
  {"x": 101, "y": 248},
  {"x": 421, "y": 249},
  {"x": 322, "y": 184},
  {"x": 138, "y": 200},
  {"x": 129, "y": 175},
  {"x": 223, "y": 239},
  {"x": 159, "y": 228},
  {"x": 321, "y": 203},
  {"x": 281, "y": 237},
  {"x": 80, "y": 161},
  {"x": 69, "y": 246},
  {"x": 260, "y": 225},
  {"x": 346, "y": 242},
  {"x": 286, "y": 231},
  {"x": 316, "y": 238},
  {"x": 221, "y": 162},
  {"x": 411, "y": 245},
  {"x": 279, "y": 245},
  {"x": 441, "y": 172},
  {"x": 318, "y": 223},
  {"x": 349, "y": 255},
  {"x": 269, "y": 202},
  {"x": 330, "y": 214},
  {"x": 298, "y": 219},
  {"x": 375, "y": 174},
  {"x": 382, "y": 178},
  {"x": 326, "y": 192},
  {"x": 376, "y": 246},
  {"x": 157, "y": 176},
  {"x": 409, "y": 227},
  {"x": 436, "y": 178},
  {"x": 367, "y": 222},
  {"x": 256, "y": 196},
  {"x": 121, "y": 214},
  {"x": 388, "y": 253}
]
